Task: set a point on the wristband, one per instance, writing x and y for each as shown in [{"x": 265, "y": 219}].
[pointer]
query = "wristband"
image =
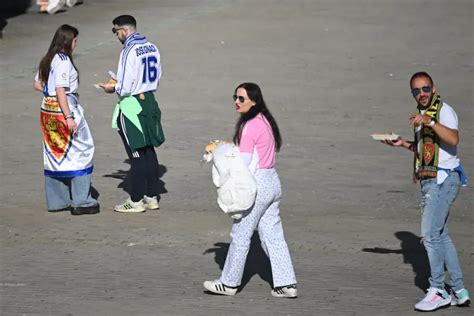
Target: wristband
[{"x": 71, "y": 115}]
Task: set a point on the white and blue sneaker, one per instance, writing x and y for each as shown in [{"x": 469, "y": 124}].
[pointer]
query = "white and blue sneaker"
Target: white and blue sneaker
[
  {"x": 434, "y": 299},
  {"x": 460, "y": 298}
]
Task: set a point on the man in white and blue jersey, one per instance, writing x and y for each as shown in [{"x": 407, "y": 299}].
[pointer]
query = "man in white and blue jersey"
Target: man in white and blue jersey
[{"x": 138, "y": 116}]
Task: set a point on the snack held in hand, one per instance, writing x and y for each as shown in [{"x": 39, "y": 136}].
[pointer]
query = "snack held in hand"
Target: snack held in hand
[
  {"x": 111, "y": 82},
  {"x": 385, "y": 136}
]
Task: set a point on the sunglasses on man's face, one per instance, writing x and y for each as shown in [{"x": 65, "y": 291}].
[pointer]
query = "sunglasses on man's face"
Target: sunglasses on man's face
[
  {"x": 416, "y": 91},
  {"x": 241, "y": 98},
  {"x": 116, "y": 29}
]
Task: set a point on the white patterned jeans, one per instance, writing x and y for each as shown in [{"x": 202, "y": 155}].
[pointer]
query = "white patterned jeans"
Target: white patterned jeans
[
  {"x": 264, "y": 216},
  {"x": 435, "y": 202}
]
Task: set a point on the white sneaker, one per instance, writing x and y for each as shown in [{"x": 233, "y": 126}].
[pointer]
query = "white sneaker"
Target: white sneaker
[
  {"x": 218, "y": 287},
  {"x": 151, "y": 203},
  {"x": 434, "y": 299},
  {"x": 71, "y": 3},
  {"x": 460, "y": 298},
  {"x": 55, "y": 5},
  {"x": 130, "y": 207},
  {"x": 289, "y": 291}
]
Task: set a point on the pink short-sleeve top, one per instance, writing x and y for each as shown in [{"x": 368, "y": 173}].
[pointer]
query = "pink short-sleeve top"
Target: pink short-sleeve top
[{"x": 257, "y": 135}]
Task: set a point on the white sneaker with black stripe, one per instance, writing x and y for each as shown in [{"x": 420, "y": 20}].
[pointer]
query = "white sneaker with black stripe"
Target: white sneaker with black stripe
[
  {"x": 151, "y": 203},
  {"x": 218, "y": 287},
  {"x": 130, "y": 207},
  {"x": 288, "y": 291}
]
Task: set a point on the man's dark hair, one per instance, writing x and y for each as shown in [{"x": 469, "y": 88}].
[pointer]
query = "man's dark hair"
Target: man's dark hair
[
  {"x": 421, "y": 74},
  {"x": 125, "y": 20}
]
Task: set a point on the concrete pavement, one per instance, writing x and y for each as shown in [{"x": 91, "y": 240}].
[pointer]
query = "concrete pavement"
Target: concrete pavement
[{"x": 332, "y": 72}]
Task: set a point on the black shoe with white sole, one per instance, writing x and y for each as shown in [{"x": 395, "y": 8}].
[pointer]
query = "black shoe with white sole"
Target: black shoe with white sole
[{"x": 94, "y": 209}]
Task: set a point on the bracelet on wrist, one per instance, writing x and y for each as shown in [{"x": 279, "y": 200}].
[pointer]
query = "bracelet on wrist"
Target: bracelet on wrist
[{"x": 69, "y": 116}]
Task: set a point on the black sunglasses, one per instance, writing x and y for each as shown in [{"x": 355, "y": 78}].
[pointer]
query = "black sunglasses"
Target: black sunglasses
[
  {"x": 115, "y": 30},
  {"x": 241, "y": 98},
  {"x": 416, "y": 91}
]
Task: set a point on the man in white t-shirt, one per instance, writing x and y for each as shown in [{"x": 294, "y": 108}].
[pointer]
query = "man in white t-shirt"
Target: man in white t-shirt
[{"x": 440, "y": 174}]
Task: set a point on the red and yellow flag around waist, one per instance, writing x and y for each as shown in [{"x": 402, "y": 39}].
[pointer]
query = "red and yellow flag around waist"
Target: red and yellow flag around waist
[{"x": 56, "y": 136}]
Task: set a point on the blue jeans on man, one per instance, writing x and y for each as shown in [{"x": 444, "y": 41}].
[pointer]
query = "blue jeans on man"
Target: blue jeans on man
[{"x": 436, "y": 201}]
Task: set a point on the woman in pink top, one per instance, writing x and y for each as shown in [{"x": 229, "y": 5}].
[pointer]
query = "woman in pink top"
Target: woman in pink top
[{"x": 258, "y": 137}]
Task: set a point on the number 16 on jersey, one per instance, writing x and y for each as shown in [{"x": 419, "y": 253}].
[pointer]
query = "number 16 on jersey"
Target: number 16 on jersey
[{"x": 150, "y": 72}]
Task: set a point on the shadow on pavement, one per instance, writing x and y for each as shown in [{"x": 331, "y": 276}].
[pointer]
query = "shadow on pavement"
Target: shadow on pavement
[
  {"x": 414, "y": 253},
  {"x": 257, "y": 261},
  {"x": 94, "y": 193},
  {"x": 124, "y": 175}
]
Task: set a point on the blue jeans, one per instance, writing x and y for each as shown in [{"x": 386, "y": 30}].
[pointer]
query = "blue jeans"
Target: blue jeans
[
  {"x": 435, "y": 202},
  {"x": 65, "y": 192}
]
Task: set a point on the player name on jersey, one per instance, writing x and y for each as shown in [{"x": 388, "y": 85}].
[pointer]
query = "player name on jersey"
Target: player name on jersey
[{"x": 145, "y": 49}]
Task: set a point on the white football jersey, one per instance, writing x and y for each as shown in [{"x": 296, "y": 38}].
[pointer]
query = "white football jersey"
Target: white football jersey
[
  {"x": 139, "y": 68},
  {"x": 61, "y": 74}
]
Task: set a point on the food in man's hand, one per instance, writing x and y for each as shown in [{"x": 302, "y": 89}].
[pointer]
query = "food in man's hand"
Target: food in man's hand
[{"x": 385, "y": 136}]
